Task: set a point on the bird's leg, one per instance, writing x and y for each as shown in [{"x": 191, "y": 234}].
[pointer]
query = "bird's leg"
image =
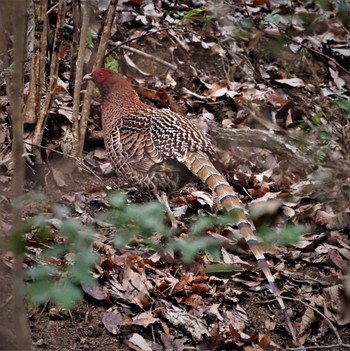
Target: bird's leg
[{"x": 164, "y": 200}]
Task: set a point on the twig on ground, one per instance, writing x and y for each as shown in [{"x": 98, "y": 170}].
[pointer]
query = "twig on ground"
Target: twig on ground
[
  {"x": 314, "y": 51},
  {"x": 151, "y": 57},
  {"x": 339, "y": 339},
  {"x": 147, "y": 34}
]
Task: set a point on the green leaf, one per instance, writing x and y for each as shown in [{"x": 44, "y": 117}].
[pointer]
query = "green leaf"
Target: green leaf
[
  {"x": 38, "y": 292},
  {"x": 289, "y": 235},
  {"x": 273, "y": 18},
  {"x": 344, "y": 105},
  {"x": 66, "y": 295},
  {"x": 57, "y": 250},
  {"x": 17, "y": 242},
  {"x": 200, "y": 11},
  {"x": 43, "y": 233},
  {"x": 112, "y": 63},
  {"x": 325, "y": 135},
  {"x": 41, "y": 272},
  {"x": 123, "y": 237},
  {"x": 316, "y": 118},
  {"x": 83, "y": 262},
  {"x": 60, "y": 212},
  {"x": 191, "y": 247},
  {"x": 70, "y": 228},
  {"x": 29, "y": 198},
  {"x": 117, "y": 200},
  {"x": 222, "y": 269},
  {"x": 320, "y": 155},
  {"x": 89, "y": 40},
  {"x": 8, "y": 70},
  {"x": 200, "y": 225}
]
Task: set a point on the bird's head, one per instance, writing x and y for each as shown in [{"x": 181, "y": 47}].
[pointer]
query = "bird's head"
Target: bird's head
[
  {"x": 109, "y": 81},
  {"x": 99, "y": 76},
  {"x": 114, "y": 87}
]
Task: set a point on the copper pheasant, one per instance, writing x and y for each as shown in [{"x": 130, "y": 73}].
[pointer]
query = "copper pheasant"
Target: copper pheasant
[{"x": 159, "y": 150}]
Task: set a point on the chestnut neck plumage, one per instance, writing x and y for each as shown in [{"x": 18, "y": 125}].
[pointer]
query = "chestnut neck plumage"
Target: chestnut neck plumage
[{"x": 119, "y": 99}]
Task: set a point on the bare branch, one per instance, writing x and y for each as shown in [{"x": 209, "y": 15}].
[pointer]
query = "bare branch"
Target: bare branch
[
  {"x": 75, "y": 41},
  {"x": 37, "y": 73},
  {"x": 262, "y": 139},
  {"x": 79, "y": 76},
  {"x": 98, "y": 63},
  {"x": 44, "y": 111}
]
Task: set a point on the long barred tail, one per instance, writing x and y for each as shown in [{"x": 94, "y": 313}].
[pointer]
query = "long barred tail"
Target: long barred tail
[{"x": 200, "y": 165}]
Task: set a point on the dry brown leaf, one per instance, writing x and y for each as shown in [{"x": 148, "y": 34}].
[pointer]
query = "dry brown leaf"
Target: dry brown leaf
[
  {"x": 144, "y": 319},
  {"x": 264, "y": 341},
  {"x": 184, "y": 280},
  {"x": 337, "y": 259},
  {"x": 293, "y": 82},
  {"x": 97, "y": 292},
  {"x": 337, "y": 306},
  {"x": 217, "y": 90},
  {"x": 58, "y": 177},
  {"x": 113, "y": 321},
  {"x": 137, "y": 342},
  {"x": 306, "y": 321},
  {"x": 193, "y": 300}
]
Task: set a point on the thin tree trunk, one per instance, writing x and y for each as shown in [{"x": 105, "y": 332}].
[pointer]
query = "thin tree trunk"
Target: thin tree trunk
[
  {"x": 54, "y": 65},
  {"x": 78, "y": 77},
  {"x": 37, "y": 73},
  {"x": 106, "y": 33},
  {"x": 19, "y": 21}
]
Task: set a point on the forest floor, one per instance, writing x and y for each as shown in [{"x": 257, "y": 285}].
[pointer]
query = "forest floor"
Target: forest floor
[{"x": 262, "y": 68}]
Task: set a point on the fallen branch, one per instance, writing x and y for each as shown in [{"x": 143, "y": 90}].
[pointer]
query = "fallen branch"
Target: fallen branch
[
  {"x": 261, "y": 139},
  {"x": 251, "y": 138},
  {"x": 151, "y": 57}
]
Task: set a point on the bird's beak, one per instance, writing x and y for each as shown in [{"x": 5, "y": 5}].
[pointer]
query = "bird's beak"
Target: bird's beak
[{"x": 88, "y": 77}]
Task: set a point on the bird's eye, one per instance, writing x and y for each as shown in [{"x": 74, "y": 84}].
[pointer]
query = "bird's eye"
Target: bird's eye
[{"x": 101, "y": 75}]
